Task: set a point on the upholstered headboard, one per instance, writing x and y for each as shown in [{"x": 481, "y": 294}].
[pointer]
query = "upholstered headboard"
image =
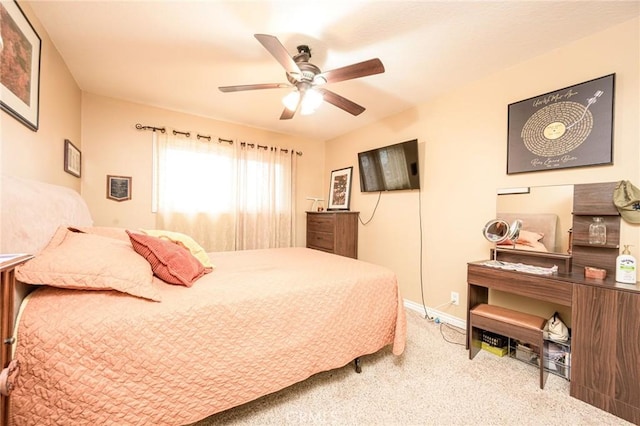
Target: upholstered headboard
[
  {"x": 543, "y": 223},
  {"x": 30, "y": 213}
]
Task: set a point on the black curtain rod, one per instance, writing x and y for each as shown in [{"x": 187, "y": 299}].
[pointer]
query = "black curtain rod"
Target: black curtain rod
[
  {"x": 141, "y": 127},
  {"x": 177, "y": 132},
  {"x": 187, "y": 134},
  {"x": 266, "y": 147},
  {"x": 199, "y": 136}
]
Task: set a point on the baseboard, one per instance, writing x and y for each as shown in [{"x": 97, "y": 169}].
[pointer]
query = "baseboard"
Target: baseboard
[{"x": 442, "y": 317}]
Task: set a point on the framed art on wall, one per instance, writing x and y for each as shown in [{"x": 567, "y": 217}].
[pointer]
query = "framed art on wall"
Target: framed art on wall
[
  {"x": 340, "y": 189},
  {"x": 570, "y": 127},
  {"x": 72, "y": 159},
  {"x": 20, "y": 48},
  {"x": 119, "y": 187}
]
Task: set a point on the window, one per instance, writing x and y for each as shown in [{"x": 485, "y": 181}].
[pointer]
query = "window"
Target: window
[
  {"x": 227, "y": 197},
  {"x": 197, "y": 181}
]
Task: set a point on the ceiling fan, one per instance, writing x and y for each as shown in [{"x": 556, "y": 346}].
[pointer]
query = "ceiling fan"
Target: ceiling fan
[{"x": 307, "y": 79}]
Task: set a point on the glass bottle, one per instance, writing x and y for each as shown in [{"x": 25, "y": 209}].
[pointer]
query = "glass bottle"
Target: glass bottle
[{"x": 598, "y": 231}]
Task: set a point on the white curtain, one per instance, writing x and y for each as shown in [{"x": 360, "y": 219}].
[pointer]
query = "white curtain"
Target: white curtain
[
  {"x": 265, "y": 202},
  {"x": 226, "y": 196}
]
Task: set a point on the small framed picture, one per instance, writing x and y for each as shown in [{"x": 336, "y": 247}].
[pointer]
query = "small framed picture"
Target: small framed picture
[
  {"x": 340, "y": 189},
  {"x": 72, "y": 159},
  {"x": 118, "y": 188}
]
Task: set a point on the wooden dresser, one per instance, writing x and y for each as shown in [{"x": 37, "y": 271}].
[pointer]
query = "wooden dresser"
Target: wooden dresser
[{"x": 333, "y": 232}]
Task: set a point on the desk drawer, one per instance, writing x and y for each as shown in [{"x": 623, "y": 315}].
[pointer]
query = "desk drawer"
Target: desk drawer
[
  {"x": 322, "y": 240},
  {"x": 537, "y": 287}
]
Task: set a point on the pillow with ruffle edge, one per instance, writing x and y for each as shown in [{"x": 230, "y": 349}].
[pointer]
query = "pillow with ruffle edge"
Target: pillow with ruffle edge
[{"x": 81, "y": 261}]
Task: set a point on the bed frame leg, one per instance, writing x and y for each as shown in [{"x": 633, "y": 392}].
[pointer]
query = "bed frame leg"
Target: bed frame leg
[{"x": 357, "y": 364}]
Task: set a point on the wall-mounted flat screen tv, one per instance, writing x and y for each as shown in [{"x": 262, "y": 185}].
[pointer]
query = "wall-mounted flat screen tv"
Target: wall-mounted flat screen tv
[{"x": 390, "y": 168}]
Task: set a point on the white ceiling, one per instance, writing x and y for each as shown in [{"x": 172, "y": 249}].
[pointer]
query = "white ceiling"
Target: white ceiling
[{"x": 175, "y": 54}]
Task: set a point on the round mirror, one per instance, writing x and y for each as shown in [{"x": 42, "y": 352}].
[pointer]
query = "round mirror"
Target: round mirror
[
  {"x": 514, "y": 230},
  {"x": 498, "y": 230}
]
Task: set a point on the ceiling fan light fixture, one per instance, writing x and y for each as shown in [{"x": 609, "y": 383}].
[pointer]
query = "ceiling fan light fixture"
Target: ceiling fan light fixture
[
  {"x": 291, "y": 100},
  {"x": 310, "y": 102},
  {"x": 319, "y": 80}
]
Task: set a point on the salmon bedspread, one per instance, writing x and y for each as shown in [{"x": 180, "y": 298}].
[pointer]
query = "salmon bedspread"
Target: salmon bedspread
[{"x": 261, "y": 321}]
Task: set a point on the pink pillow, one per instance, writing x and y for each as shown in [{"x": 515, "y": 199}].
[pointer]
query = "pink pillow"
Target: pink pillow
[
  {"x": 89, "y": 262},
  {"x": 169, "y": 261}
]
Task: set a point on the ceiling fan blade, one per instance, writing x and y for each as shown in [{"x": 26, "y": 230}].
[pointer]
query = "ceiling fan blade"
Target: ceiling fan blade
[
  {"x": 240, "y": 88},
  {"x": 341, "y": 102},
  {"x": 277, "y": 50},
  {"x": 287, "y": 114},
  {"x": 361, "y": 69}
]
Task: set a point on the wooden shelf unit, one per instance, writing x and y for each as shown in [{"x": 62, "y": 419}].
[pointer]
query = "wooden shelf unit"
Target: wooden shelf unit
[{"x": 591, "y": 200}]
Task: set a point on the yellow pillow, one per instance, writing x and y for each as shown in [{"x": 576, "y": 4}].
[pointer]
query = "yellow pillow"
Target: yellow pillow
[{"x": 184, "y": 240}]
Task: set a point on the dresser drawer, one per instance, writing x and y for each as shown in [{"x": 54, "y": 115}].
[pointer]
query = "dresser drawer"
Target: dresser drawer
[
  {"x": 321, "y": 222},
  {"x": 321, "y": 240},
  {"x": 333, "y": 232}
]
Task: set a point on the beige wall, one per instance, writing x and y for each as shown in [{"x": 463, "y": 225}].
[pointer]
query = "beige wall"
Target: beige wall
[
  {"x": 40, "y": 155},
  {"x": 113, "y": 146},
  {"x": 462, "y": 143}
]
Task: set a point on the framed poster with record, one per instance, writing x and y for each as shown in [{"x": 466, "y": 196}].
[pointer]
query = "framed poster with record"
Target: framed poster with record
[{"x": 570, "y": 127}]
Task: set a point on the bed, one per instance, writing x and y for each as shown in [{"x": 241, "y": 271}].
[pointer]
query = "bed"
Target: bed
[{"x": 255, "y": 323}]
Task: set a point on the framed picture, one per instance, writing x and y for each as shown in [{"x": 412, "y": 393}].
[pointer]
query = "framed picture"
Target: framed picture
[
  {"x": 340, "y": 189},
  {"x": 20, "y": 48},
  {"x": 118, "y": 188},
  {"x": 570, "y": 127},
  {"x": 72, "y": 159}
]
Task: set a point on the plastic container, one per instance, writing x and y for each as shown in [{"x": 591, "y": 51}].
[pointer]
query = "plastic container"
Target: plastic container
[{"x": 626, "y": 267}]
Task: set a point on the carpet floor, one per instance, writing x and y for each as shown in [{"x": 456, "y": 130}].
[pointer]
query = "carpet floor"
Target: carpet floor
[{"x": 432, "y": 383}]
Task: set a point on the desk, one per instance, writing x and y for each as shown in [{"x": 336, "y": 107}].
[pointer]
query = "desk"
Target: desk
[{"x": 605, "y": 318}]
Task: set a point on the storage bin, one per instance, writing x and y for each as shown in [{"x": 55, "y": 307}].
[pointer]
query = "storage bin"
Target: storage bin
[
  {"x": 526, "y": 354},
  {"x": 493, "y": 339}
]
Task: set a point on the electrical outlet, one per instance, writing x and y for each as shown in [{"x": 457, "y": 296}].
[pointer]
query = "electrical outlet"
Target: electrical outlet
[{"x": 455, "y": 298}]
